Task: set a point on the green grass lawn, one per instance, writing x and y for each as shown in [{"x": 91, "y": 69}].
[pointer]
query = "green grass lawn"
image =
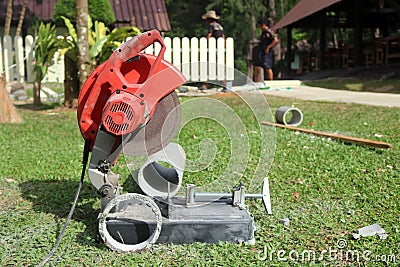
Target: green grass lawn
[{"x": 327, "y": 188}]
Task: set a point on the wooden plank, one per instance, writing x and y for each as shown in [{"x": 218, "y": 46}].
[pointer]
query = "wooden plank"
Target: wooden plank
[
  {"x": 186, "y": 58},
  {"x": 221, "y": 59},
  {"x": 29, "y": 58},
  {"x": 176, "y": 52},
  {"x": 19, "y": 58},
  {"x": 168, "y": 49},
  {"x": 8, "y": 58},
  {"x": 149, "y": 50},
  {"x": 51, "y": 73},
  {"x": 194, "y": 59},
  {"x": 345, "y": 138},
  {"x": 230, "y": 59},
  {"x": 59, "y": 67},
  {"x": 203, "y": 59},
  {"x": 212, "y": 59},
  {"x": 157, "y": 48}
]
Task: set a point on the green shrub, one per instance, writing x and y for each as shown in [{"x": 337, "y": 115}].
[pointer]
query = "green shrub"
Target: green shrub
[{"x": 99, "y": 10}]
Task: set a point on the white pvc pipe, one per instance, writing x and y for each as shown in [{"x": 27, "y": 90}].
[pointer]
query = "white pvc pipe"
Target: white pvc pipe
[
  {"x": 155, "y": 179},
  {"x": 282, "y": 112},
  {"x": 122, "y": 247}
]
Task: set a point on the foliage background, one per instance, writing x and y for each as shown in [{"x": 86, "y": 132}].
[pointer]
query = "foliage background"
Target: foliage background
[
  {"x": 99, "y": 10},
  {"x": 236, "y": 18}
]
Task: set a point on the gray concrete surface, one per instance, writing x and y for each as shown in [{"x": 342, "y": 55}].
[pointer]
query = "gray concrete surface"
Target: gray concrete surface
[
  {"x": 315, "y": 93},
  {"x": 303, "y": 92}
]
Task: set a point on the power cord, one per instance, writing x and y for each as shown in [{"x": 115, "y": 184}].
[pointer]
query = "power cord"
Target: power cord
[{"x": 71, "y": 211}]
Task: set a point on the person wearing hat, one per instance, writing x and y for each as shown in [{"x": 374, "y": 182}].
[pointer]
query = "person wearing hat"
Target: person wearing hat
[
  {"x": 267, "y": 41},
  {"x": 214, "y": 28}
]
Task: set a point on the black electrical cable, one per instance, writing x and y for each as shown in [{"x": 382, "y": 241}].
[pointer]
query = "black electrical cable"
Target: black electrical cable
[{"x": 71, "y": 211}]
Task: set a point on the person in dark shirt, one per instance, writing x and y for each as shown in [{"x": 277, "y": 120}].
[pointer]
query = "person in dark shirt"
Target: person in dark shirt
[
  {"x": 267, "y": 41},
  {"x": 214, "y": 28}
]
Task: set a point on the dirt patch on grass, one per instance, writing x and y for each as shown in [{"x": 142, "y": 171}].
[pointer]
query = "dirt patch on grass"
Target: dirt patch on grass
[{"x": 225, "y": 95}]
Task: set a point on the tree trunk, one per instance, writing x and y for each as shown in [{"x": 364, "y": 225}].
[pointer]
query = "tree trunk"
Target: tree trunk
[
  {"x": 8, "y": 18},
  {"x": 71, "y": 83},
  {"x": 83, "y": 36},
  {"x": 253, "y": 42},
  {"x": 8, "y": 113},
  {"x": 253, "y": 25},
  {"x": 37, "y": 85},
  {"x": 271, "y": 13},
  {"x": 21, "y": 18}
]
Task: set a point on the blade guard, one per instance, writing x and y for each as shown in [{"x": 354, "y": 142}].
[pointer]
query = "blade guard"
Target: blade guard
[{"x": 128, "y": 76}]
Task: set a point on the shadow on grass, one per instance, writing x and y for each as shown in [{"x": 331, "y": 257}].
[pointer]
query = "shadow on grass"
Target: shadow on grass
[
  {"x": 359, "y": 85},
  {"x": 34, "y": 107},
  {"x": 56, "y": 197}
]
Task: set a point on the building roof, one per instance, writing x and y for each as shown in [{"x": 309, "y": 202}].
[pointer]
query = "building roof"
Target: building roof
[
  {"x": 303, "y": 9},
  {"x": 41, "y": 9},
  {"x": 342, "y": 14},
  {"x": 144, "y": 14}
]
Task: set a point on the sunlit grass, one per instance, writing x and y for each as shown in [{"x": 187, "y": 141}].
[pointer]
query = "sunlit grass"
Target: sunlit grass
[{"x": 327, "y": 188}]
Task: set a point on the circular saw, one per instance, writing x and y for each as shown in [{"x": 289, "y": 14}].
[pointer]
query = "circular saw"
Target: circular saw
[{"x": 129, "y": 102}]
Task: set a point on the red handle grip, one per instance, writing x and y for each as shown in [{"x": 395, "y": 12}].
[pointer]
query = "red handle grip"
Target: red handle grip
[{"x": 134, "y": 46}]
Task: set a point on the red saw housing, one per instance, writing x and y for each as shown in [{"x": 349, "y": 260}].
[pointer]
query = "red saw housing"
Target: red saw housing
[{"x": 122, "y": 93}]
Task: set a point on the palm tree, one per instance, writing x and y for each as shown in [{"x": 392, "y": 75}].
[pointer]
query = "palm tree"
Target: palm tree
[
  {"x": 8, "y": 18},
  {"x": 21, "y": 18},
  {"x": 82, "y": 31},
  {"x": 45, "y": 48}
]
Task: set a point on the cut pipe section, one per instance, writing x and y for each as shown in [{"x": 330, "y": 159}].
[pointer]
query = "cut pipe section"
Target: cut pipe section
[
  {"x": 295, "y": 115},
  {"x": 126, "y": 233},
  {"x": 156, "y": 180}
]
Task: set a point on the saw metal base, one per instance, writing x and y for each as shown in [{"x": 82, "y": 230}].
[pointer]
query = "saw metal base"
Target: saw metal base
[
  {"x": 207, "y": 222},
  {"x": 131, "y": 222}
]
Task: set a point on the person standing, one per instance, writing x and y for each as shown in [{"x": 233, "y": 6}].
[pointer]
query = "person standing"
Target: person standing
[
  {"x": 267, "y": 41},
  {"x": 214, "y": 30}
]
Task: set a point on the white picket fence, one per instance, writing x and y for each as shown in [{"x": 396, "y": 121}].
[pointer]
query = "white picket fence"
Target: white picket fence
[{"x": 199, "y": 59}]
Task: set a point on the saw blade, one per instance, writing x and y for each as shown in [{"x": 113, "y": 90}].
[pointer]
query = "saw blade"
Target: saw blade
[{"x": 159, "y": 131}]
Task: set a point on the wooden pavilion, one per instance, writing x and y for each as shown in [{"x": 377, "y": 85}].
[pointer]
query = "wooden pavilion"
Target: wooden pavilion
[{"x": 380, "y": 17}]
